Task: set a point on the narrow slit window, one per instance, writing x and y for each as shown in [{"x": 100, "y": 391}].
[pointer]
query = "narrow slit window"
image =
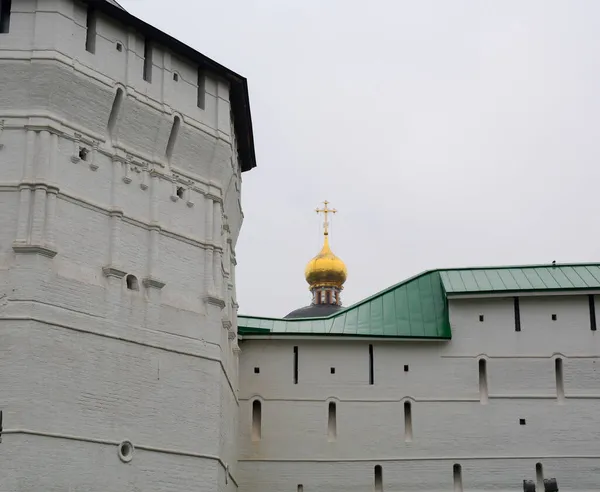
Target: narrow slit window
[
  {"x": 173, "y": 138},
  {"x": 5, "y": 8},
  {"x": 378, "y": 478},
  {"x": 481, "y": 318},
  {"x": 114, "y": 113},
  {"x": 592, "y": 312},
  {"x": 332, "y": 422},
  {"x": 483, "y": 382},
  {"x": 560, "y": 384},
  {"x": 201, "y": 89},
  {"x": 539, "y": 476},
  {"x": 517, "y": 315},
  {"x": 371, "y": 366},
  {"x": 295, "y": 365},
  {"x": 300, "y": 487},
  {"x": 256, "y": 420},
  {"x": 147, "y": 61},
  {"x": 457, "y": 476},
  {"x": 408, "y": 431},
  {"x": 90, "y": 36}
]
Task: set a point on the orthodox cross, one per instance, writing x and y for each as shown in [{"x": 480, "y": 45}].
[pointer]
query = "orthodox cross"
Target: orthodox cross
[{"x": 325, "y": 210}]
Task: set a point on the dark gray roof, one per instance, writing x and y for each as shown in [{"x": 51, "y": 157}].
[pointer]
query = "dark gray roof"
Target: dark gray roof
[
  {"x": 238, "y": 94},
  {"x": 314, "y": 311},
  {"x": 115, "y": 3}
]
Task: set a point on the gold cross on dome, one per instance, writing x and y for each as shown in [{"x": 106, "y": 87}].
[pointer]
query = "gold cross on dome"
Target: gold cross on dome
[{"x": 325, "y": 210}]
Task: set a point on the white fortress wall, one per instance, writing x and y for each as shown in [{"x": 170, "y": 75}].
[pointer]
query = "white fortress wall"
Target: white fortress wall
[{"x": 453, "y": 418}]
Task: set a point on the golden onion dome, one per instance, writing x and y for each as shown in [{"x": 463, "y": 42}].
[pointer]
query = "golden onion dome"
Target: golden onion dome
[{"x": 326, "y": 269}]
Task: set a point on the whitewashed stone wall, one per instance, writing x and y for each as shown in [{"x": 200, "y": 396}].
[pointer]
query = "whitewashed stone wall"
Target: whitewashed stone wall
[
  {"x": 85, "y": 362},
  {"x": 450, "y": 423}
]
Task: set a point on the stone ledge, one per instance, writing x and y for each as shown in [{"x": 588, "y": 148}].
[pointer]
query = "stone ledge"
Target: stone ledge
[
  {"x": 153, "y": 282},
  {"x": 113, "y": 271},
  {"x": 35, "y": 249},
  {"x": 214, "y": 300}
]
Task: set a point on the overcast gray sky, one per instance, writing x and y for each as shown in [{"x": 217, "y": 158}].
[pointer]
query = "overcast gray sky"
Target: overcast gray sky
[{"x": 447, "y": 133}]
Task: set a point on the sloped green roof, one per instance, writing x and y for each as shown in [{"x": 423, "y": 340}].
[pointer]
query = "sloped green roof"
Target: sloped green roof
[
  {"x": 527, "y": 278},
  {"x": 415, "y": 308},
  {"x": 418, "y": 307}
]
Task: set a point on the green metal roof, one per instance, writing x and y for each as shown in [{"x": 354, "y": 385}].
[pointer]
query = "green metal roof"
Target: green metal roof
[
  {"x": 418, "y": 307},
  {"x": 526, "y": 278}
]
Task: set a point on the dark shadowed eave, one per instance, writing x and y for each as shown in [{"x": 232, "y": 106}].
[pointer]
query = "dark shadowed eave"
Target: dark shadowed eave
[{"x": 239, "y": 98}]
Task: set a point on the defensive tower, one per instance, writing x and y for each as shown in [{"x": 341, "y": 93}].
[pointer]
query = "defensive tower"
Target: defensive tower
[{"x": 121, "y": 152}]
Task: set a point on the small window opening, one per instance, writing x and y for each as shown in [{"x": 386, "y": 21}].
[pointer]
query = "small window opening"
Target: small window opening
[
  {"x": 332, "y": 370},
  {"x": 481, "y": 318},
  {"x": 405, "y": 367},
  {"x": 483, "y": 383},
  {"x": 295, "y": 365},
  {"x": 539, "y": 476},
  {"x": 119, "y": 47},
  {"x": 147, "y": 61},
  {"x": 257, "y": 370},
  {"x": 175, "y": 76},
  {"x": 300, "y": 487},
  {"x": 5, "y": 8},
  {"x": 371, "y": 366},
  {"x": 378, "y": 478},
  {"x": 201, "y": 89},
  {"x": 592, "y": 313},
  {"x": 517, "y": 315},
  {"x": 332, "y": 422},
  {"x": 408, "y": 432},
  {"x": 125, "y": 451},
  {"x": 554, "y": 317},
  {"x": 256, "y": 420},
  {"x": 522, "y": 422},
  {"x": 560, "y": 384},
  {"x": 90, "y": 37},
  {"x": 83, "y": 153},
  {"x": 132, "y": 282},
  {"x": 457, "y": 475},
  {"x": 180, "y": 191}
]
